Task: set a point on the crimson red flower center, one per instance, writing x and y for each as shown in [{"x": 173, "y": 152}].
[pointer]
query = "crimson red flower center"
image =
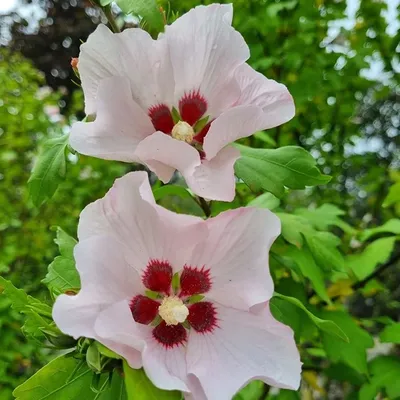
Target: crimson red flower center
[
  {"x": 169, "y": 331},
  {"x": 192, "y": 107}
]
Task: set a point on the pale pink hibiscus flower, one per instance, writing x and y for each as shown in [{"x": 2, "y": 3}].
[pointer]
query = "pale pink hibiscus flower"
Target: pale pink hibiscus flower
[
  {"x": 209, "y": 331},
  {"x": 133, "y": 83}
]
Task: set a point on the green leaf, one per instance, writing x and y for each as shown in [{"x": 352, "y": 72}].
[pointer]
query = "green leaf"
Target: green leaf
[
  {"x": 253, "y": 391},
  {"x": 148, "y": 9},
  {"x": 323, "y": 248},
  {"x": 326, "y": 326},
  {"x": 171, "y": 190},
  {"x": 363, "y": 264},
  {"x": 324, "y": 217},
  {"x": 385, "y": 372},
  {"x": 67, "y": 378},
  {"x": 104, "y": 3},
  {"x": 18, "y": 297},
  {"x": 266, "y": 200},
  {"x": 63, "y": 378},
  {"x": 266, "y": 138},
  {"x": 30, "y": 307},
  {"x": 274, "y": 9},
  {"x": 304, "y": 260},
  {"x": 105, "y": 351},
  {"x": 390, "y": 334},
  {"x": 62, "y": 276},
  {"x": 49, "y": 170},
  {"x": 273, "y": 169},
  {"x": 393, "y": 196},
  {"x": 352, "y": 353},
  {"x": 93, "y": 357},
  {"x": 65, "y": 243},
  {"x": 293, "y": 228},
  {"x": 321, "y": 244},
  {"x": 392, "y": 226},
  {"x": 139, "y": 387},
  {"x": 286, "y": 395}
]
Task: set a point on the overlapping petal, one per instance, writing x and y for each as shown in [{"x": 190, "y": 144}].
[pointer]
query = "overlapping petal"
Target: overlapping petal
[
  {"x": 132, "y": 54},
  {"x": 119, "y": 127},
  {"x": 145, "y": 230},
  {"x": 246, "y": 346},
  {"x": 263, "y": 104},
  {"x": 237, "y": 251},
  {"x": 205, "y": 51}
]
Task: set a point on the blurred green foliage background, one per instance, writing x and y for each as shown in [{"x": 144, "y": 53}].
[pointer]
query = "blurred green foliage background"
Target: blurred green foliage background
[{"x": 340, "y": 61}]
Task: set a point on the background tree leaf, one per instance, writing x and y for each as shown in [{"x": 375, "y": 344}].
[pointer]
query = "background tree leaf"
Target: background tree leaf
[
  {"x": 273, "y": 169},
  {"x": 352, "y": 353},
  {"x": 390, "y": 334},
  {"x": 392, "y": 227},
  {"x": 304, "y": 259},
  {"x": 148, "y": 9},
  {"x": 393, "y": 196},
  {"x": 49, "y": 170},
  {"x": 266, "y": 200},
  {"x": 364, "y": 263},
  {"x": 385, "y": 372},
  {"x": 35, "y": 312}
]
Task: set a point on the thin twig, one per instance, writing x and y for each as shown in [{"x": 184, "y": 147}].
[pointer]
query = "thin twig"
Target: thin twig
[
  {"x": 377, "y": 272},
  {"x": 108, "y": 13},
  {"x": 205, "y": 206}
]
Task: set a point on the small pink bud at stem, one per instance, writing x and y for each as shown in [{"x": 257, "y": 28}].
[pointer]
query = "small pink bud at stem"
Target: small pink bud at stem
[{"x": 74, "y": 62}]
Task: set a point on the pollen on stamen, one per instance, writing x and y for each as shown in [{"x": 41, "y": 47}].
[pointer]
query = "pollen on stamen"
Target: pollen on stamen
[
  {"x": 161, "y": 118},
  {"x": 192, "y": 107},
  {"x": 158, "y": 276},
  {"x": 194, "y": 281}
]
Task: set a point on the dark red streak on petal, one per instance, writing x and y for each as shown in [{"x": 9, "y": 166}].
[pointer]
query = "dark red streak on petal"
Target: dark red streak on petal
[
  {"x": 199, "y": 138},
  {"x": 158, "y": 276},
  {"x": 202, "y": 317},
  {"x": 161, "y": 118},
  {"x": 170, "y": 335},
  {"x": 192, "y": 106},
  {"x": 143, "y": 309},
  {"x": 194, "y": 281}
]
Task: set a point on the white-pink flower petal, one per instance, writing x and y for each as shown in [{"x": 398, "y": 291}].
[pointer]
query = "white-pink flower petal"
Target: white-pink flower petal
[
  {"x": 166, "y": 367},
  {"x": 205, "y": 51},
  {"x": 263, "y": 104},
  {"x": 119, "y": 127},
  {"x": 215, "y": 179},
  {"x": 236, "y": 252},
  {"x": 145, "y": 230},
  {"x": 244, "y": 347},
  {"x": 164, "y": 155},
  {"x": 133, "y": 54}
]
